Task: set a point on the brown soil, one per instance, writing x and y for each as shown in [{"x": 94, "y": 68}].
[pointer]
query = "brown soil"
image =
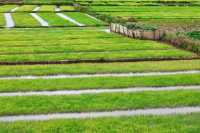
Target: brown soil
[{"x": 94, "y": 61}]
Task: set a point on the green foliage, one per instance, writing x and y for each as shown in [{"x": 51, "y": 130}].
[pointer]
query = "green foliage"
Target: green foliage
[
  {"x": 140, "y": 26},
  {"x": 194, "y": 34},
  {"x": 186, "y": 41}
]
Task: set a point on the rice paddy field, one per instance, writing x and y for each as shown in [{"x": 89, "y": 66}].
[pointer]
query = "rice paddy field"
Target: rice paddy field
[
  {"x": 63, "y": 71},
  {"x": 158, "y": 13}
]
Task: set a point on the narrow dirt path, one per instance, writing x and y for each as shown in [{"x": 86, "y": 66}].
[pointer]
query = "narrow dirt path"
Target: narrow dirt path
[
  {"x": 14, "y": 9},
  {"x": 98, "y": 91},
  {"x": 116, "y": 113},
  {"x": 92, "y": 17},
  {"x": 101, "y": 75},
  {"x": 69, "y": 19},
  {"x": 36, "y": 9},
  {"x": 9, "y": 20},
  {"x": 39, "y": 19}
]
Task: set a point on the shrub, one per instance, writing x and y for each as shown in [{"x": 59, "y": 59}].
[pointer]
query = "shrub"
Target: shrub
[
  {"x": 183, "y": 41},
  {"x": 140, "y": 26}
]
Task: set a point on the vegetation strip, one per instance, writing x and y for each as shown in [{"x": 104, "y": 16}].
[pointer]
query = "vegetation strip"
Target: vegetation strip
[
  {"x": 39, "y": 19},
  {"x": 100, "y": 75},
  {"x": 188, "y": 123},
  {"x": 116, "y": 113},
  {"x": 98, "y": 91},
  {"x": 98, "y": 82},
  {"x": 9, "y": 20},
  {"x": 22, "y": 105},
  {"x": 95, "y": 68},
  {"x": 69, "y": 19}
]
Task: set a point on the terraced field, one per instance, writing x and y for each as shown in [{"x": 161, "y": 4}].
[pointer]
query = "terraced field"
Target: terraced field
[
  {"x": 168, "y": 16},
  {"x": 91, "y": 87},
  {"x": 7, "y": 8},
  {"x": 27, "y": 16},
  {"x": 150, "y": 12},
  {"x": 74, "y": 75},
  {"x": 84, "y": 47}
]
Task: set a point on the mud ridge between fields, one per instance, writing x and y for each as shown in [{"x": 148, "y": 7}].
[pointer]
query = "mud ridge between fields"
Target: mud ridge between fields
[{"x": 95, "y": 61}]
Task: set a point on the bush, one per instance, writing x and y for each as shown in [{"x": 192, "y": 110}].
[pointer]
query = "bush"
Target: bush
[
  {"x": 183, "y": 41},
  {"x": 140, "y": 26}
]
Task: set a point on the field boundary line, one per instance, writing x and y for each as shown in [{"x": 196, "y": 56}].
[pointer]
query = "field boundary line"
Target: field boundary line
[
  {"x": 106, "y": 30},
  {"x": 130, "y": 74},
  {"x": 92, "y": 17},
  {"x": 14, "y": 9},
  {"x": 9, "y": 20},
  {"x": 36, "y": 9},
  {"x": 69, "y": 19},
  {"x": 115, "y": 113},
  {"x": 39, "y": 19},
  {"x": 97, "y": 91},
  {"x": 96, "y": 61}
]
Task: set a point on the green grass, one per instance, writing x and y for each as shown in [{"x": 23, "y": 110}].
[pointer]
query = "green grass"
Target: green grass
[
  {"x": 66, "y": 47},
  {"x": 26, "y": 8},
  {"x": 150, "y": 12},
  {"x": 56, "y": 21},
  {"x": 155, "y": 15},
  {"x": 47, "y": 8},
  {"x": 48, "y": 1},
  {"x": 67, "y": 8},
  {"x": 6, "y": 8},
  {"x": 98, "y": 56},
  {"x": 24, "y": 20},
  {"x": 2, "y": 20},
  {"x": 92, "y": 68},
  {"x": 139, "y": 124},
  {"x": 172, "y": 23},
  {"x": 164, "y": 16},
  {"x": 87, "y": 43},
  {"x": 97, "y": 102},
  {"x": 15, "y": 85},
  {"x": 84, "y": 19},
  {"x": 146, "y": 9}
]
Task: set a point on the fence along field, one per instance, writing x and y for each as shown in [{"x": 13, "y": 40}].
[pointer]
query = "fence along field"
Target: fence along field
[{"x": 167, "y": 89}]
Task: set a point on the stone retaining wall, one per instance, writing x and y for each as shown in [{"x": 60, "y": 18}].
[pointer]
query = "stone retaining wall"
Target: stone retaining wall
[{"x": 140, "y": 34}]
